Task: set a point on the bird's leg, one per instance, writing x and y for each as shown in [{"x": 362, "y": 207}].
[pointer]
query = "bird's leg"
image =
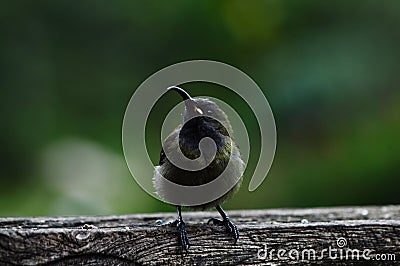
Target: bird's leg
[
  {"x": 181, "y": 226},
  {"x": 230, "y": 227}
]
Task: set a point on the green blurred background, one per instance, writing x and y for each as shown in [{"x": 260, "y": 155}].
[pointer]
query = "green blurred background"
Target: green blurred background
[{"x": 330, "y": 71}]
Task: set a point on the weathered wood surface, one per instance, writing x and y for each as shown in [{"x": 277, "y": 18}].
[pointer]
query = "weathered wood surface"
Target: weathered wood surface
[{"x": 141, "y": 240}]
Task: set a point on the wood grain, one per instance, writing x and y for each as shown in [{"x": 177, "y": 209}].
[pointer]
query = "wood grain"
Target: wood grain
[{"x": 142, "y": 239}]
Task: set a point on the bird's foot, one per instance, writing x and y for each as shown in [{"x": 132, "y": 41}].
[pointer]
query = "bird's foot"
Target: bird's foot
[
  {"x": 183, "y": 238},
  {"x": 230, "y": 227}
]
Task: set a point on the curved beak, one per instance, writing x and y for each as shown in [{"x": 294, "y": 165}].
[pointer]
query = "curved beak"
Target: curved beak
[
  {"x": 185, "y": 96},
  {"x": 191, "y": 107}
]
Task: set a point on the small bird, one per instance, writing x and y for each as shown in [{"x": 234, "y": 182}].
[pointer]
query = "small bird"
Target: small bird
[{"x": 202, "y": 118}]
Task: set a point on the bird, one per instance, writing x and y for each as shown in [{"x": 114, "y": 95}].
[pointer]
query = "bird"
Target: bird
[{"x": 202, "y": 118}]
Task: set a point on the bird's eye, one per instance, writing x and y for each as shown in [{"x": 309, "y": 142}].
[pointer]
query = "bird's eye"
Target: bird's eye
[
  {"x": 209, "y": 111},
  {"x": 198, "y": 110}
]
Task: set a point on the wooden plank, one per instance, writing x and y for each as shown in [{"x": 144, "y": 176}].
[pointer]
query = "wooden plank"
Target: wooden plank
[{"x": 142, "y": 239}]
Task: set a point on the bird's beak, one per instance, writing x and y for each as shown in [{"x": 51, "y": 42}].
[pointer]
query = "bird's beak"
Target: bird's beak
[
  {"x": 189, "y": 102},
  {"x": 185, "y": 96}
]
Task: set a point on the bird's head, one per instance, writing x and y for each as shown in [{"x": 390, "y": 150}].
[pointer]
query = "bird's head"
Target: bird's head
[{"x": 205, "y": 111}]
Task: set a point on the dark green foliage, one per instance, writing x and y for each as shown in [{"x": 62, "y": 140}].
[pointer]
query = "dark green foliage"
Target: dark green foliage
[{"x": 68, "y": 69}]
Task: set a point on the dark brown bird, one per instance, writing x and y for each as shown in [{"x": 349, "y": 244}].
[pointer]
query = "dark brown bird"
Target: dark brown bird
[{"x": 202, "y": 118}]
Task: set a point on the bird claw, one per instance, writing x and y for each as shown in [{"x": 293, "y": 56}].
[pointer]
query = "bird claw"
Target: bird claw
[
  {"x": 183, "y": 238},
  {"x": 230, "y": 227}
]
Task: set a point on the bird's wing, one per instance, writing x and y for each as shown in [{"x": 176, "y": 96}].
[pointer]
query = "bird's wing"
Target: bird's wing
[
  {"x": 170, "y": 143},
  {"x": 162, "y": 157}
]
